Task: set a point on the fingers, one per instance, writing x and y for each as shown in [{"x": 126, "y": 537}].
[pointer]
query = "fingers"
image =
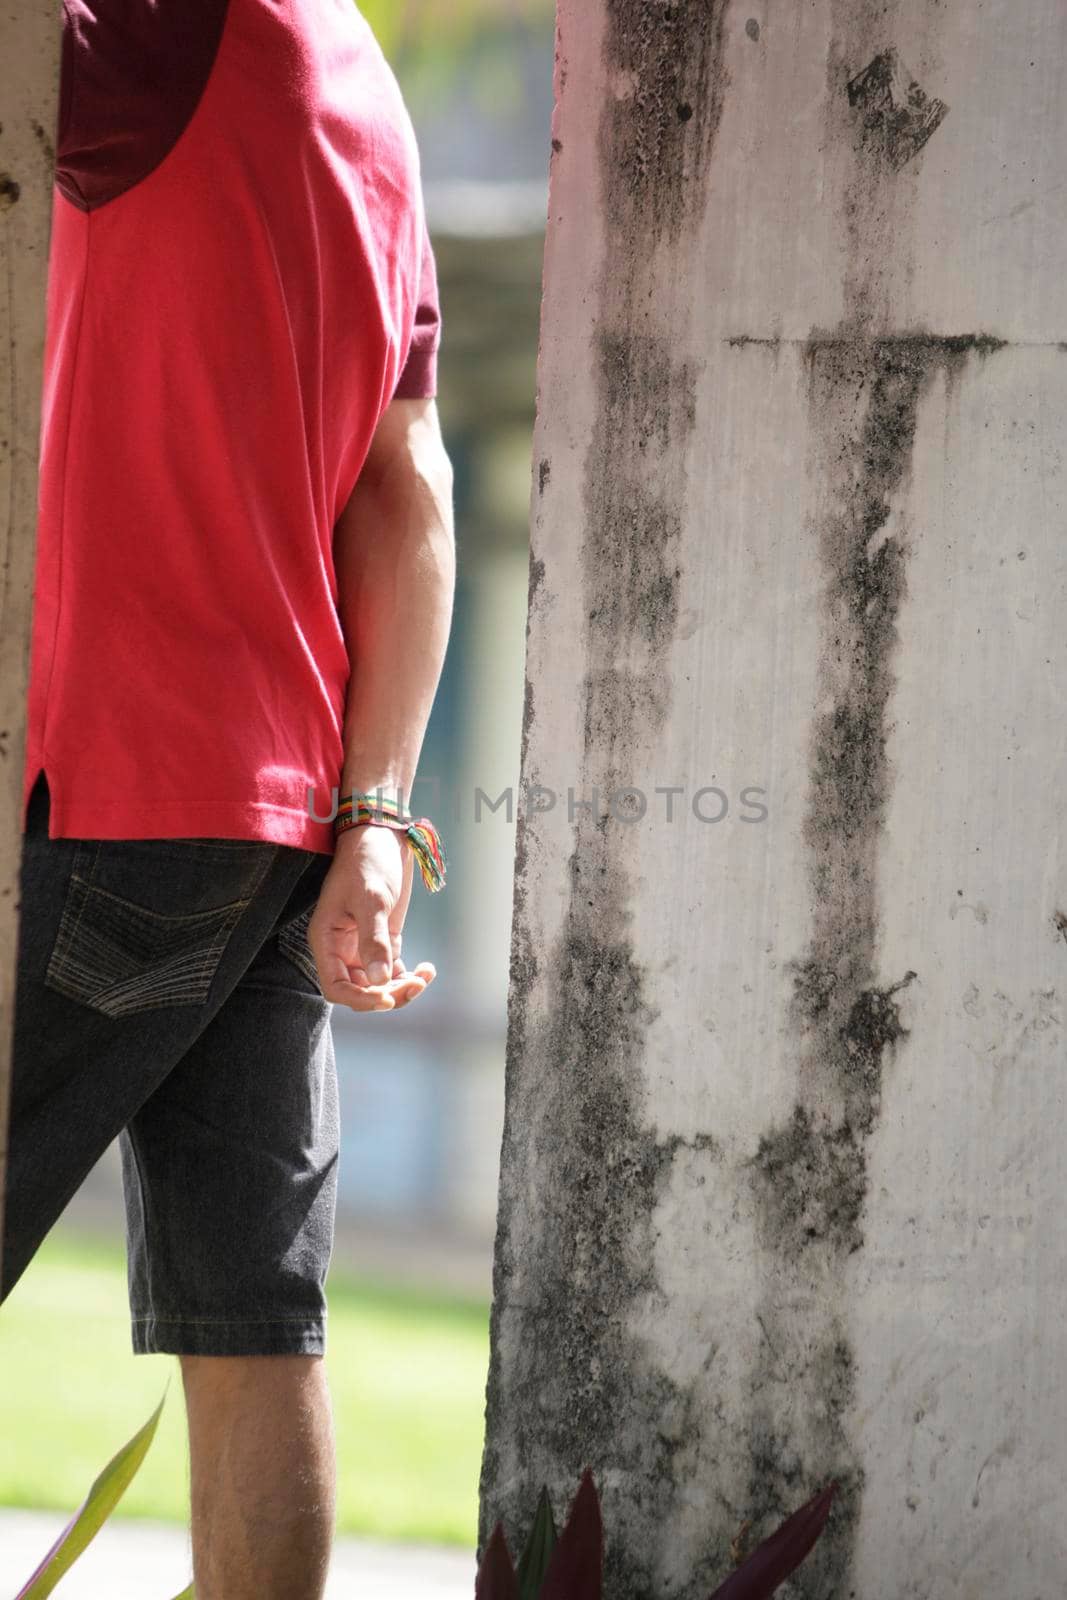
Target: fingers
[
  {"x": 396, "y": 992},
  {"x": 356, "y": 999},
  {"x": 358, "y": 995},
  {"x": 343, "y": 993},
  {"x": 375, "y": 940},
  {"x": 407, "y": 986}
]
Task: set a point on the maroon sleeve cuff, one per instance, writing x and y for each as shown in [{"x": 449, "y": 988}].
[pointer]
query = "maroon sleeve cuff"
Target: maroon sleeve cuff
[
  {"x": 418, "y": 378},
  {"x": 418, "y": 381}
]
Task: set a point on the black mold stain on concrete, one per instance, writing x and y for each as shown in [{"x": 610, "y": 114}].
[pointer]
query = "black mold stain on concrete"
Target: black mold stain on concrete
[
  {"x": 880, "y": 117},
  {"x": 655, "y": 162},
  {"x": 896, "y": 116},
  {"x": 1059, "y": 921},
  {"x": 611, "y": 697},
  {"x": 633, "y": 531},
  {"x": 948, "y": 344},
  {"x": 809, "y": 1176},
  {"x": 579, "y": 1378},
  {"x": 577, "y": 1388},
  {"x": 864, "y": 396},
  {"x": 752, "y": 28},
  {"x": 45, "y": 143},
  {"x": 536, "y": 583},
  {"x": 780, "y": 1475},
  {"x": 544, "y": 472},
  {"x": 873, "y": 1025},
  {"x": 527, "y": 718},
  {"x": 537, "y": 578},
  {"x": 523, "y": 966},
  {"x": 738, "y": 341},
  {"x": 601, "y": 1167},
  {"x": 810, "y": 1184}
]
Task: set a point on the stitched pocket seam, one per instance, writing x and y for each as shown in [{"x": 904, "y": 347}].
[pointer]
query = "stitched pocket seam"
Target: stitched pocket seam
[
  {"x": 293, "y": 943},
  {"x": 166, "y": 976},
  {"x": 68, "y": 929}
]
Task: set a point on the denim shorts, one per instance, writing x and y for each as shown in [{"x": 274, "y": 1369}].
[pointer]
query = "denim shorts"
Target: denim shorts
[{"x": 167, "y": 996}]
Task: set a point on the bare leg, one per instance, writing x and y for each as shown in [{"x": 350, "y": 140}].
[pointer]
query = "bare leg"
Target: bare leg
[{"x": 263, "y": 1476}]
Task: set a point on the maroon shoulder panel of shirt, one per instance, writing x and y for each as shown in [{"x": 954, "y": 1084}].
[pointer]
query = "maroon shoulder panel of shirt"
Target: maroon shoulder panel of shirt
[{"x": 131, "y": 76}]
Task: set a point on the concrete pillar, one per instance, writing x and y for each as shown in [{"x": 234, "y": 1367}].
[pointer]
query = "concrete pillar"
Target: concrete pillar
[
  {"x": 783, "y": 1167},
  {"x": 29, "y": 85}
]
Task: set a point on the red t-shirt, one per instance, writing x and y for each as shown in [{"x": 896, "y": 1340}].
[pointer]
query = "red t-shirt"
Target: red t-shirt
[{"x": 240, "y": 280}]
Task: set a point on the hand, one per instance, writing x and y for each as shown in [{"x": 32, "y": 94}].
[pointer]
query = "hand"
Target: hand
[{"x": 356, "y": 928}]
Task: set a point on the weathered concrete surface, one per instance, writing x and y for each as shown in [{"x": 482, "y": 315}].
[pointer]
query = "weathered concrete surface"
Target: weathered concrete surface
[
  {"x": 783, "y": 1171},
  {"x": 29, "y": 86}
]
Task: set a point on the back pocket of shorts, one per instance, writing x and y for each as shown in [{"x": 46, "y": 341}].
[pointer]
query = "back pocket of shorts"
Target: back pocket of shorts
[{"x": 121, "y": 958}]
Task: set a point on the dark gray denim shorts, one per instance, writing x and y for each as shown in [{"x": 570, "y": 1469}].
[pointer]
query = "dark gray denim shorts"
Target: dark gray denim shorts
[{"x": 167, "y": 995}]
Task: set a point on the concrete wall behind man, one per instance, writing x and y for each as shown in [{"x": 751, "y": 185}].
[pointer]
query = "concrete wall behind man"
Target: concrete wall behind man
[{"x": 783, "y": 1170}]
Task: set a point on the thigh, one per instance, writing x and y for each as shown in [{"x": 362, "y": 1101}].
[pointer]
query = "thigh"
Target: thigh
[
  {"x": 230, "y": 1168},
  {"x": 127, "y": 948}
]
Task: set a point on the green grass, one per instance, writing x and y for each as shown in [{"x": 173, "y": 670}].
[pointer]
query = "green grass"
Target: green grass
[{"x": 407, "y": 1371}]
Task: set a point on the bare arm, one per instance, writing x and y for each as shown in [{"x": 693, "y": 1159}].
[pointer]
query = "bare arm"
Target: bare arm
[{"x": 394, "y": 555}]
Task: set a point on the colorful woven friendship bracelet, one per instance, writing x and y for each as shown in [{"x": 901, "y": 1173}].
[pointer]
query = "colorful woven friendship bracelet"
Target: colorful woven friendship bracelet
[{"x": 356, "y": 810}]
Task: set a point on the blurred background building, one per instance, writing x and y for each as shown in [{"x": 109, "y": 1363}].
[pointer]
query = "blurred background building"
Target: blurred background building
[{"x": 422, "y": 1092}]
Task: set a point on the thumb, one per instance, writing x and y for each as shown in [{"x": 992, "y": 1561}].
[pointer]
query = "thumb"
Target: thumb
[{"x": 375, "y": 942}]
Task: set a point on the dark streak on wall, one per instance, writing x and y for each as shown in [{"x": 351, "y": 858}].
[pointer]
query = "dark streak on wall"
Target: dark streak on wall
[
  {"x": 582, "y": 1388},
  {"x": 576, "y": 1387},
  {"x": 786, "y": 1444},
  {"x": 654, "y": 160},
  {"x": 809, "y": 1176},
  {"x": 523, "y": 963}
]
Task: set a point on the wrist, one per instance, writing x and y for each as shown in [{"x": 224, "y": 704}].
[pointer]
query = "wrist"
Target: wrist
[
  {"x": 341, "y": 835},
  {"x": 358, "y": 810},
  {"x": 394, "y": 789}
]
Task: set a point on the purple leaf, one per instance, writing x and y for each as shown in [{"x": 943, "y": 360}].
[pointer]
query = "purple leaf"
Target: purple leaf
[
  {"x": 576, "y": 1567},
  {"x": 496, "y": 1578},
  {"x": 771, "y": 1562}
]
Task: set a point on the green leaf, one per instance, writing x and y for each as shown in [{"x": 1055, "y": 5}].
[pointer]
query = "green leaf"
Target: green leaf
[
  {"x": 539, "y": 1547},
  {"x": 94, "y": 1511},
  {"x": 576, "y": 1570},
  {"x": 186, "y": 1594}
]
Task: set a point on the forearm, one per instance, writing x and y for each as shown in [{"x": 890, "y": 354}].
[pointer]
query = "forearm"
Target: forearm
[{"x": 395, "y": 560}]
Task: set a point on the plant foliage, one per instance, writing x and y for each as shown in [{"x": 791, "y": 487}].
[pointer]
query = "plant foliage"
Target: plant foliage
[
  {"x": 572, "y": 1566},
  {"x": 104, "y": 1495}
]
